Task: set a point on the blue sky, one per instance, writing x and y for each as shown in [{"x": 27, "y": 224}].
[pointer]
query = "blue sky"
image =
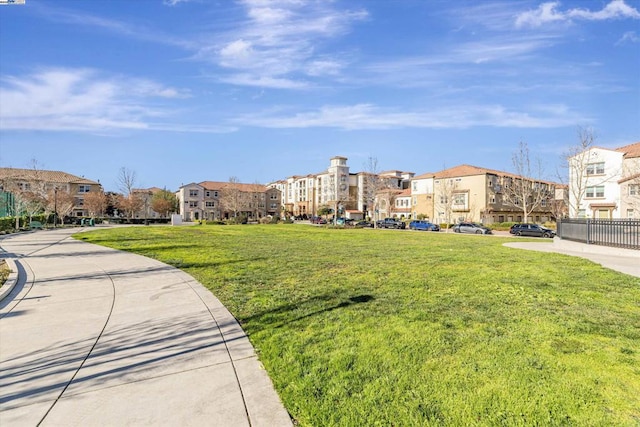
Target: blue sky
[{"x": 184, "y": 91}]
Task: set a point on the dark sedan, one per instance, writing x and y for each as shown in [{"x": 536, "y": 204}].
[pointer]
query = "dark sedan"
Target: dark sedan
[{"x": 533, "y": 230}]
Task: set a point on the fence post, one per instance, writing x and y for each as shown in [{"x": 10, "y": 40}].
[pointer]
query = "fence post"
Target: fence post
[{"x": 588, "y": 231}]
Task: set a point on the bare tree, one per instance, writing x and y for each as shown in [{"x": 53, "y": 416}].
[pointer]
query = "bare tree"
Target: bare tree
[
  {"x": 61, "y": 202},
  {"x": 258, "y": 201},
  {"x": 130, "y": 202},
  {"x": 126, "y": 181},
  {"x": 444, "y": 189},
  {"x": 29, "y": 193},
  {"x": 559, "y": 205},
  {"x": 373, "y": 184},
  {"x": 96, "y": 203},
  {"x": 526, "y": 191},
  {"x": 576, "y": 160},
  {"x": 232, "y": 198}
]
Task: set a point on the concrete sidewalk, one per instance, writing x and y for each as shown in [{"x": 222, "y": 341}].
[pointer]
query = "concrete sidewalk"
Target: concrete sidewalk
[
  {"x": 623, "y": 260},
  {"x": 94, "y": 336}
]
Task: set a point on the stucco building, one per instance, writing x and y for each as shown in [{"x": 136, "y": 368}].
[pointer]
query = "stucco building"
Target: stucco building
[
  {"x": 605, "y": 183},
  {"x": 39, "y": 191},
  {"x": 213, "y": 200}
]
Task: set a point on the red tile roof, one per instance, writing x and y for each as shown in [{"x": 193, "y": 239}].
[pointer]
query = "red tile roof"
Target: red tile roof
[{"x": 631, "y": 150}]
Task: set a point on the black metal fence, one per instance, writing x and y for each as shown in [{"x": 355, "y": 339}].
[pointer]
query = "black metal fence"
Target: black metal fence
[{"x": 620, "y": 233}]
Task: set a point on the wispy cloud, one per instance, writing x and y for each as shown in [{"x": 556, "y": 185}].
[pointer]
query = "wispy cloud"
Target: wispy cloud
[
  {"x": 174, "y": 2},
  {"x": 629, "y": 37},
  {"x": 279, "y": 41},
  {"x": 121, "y": 28},
  {"x": 549, "y": 12},
  {"x": 84, "y": 100},
  {"x": 369, "y": 116}
]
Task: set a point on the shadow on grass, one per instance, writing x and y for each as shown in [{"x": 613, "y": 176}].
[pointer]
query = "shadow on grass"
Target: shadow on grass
[{"x": 280, "y": 316}]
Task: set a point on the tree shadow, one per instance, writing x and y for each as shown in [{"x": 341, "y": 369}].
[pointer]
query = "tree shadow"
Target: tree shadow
[
  {"x": 130, "y": 353},
  {"x": 278, "y": 317}
]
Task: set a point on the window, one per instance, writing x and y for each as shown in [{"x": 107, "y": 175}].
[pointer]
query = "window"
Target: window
[
  {"x": 595, "y": 168},
  {"x": 595, "y": 191},
  {"x": 273, "y": 206},
  {"x": 492, "y": 200},
  {"x": 582, "y": 213},
  {"x": 630, "y": 213},
  {"x": 415, "y": 186},
  {"x": 193, "y": 193},
  {"x": 459, "y": 199},
  {"x": 193, "y": 204},
  {"x": 543, "y": 203},
  {"x": 84, "y": 188},
  {"x": 634, "y": 190},
  {"x": 207, "y": 193},
  {"x": 215, "y": 194},
  {"x": 210, "y": 204}
]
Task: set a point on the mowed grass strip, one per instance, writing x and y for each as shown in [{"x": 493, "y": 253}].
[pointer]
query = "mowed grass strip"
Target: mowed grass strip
[{"x": 379, "y": 328}]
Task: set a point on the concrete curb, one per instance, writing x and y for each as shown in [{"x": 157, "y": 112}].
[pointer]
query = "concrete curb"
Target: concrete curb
[{"x": 8, "y": 286}]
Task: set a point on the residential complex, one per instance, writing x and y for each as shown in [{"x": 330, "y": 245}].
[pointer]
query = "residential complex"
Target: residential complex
[
  {"x": 339, "y": 189},
  {"x": 605, "y": 183},
  {"x": 35, "y": 191},
  {"x": 460, "y": 193},
  {"x": 211, "y": 200}
]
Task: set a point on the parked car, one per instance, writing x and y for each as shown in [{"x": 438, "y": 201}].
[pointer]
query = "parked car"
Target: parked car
[
  {"x": 471, "y": 227},
  {"x": 534, "y": 230},
  {"x": 363, "y": 224},
  {"x": 423, "y": 225},
  {"x": 391, "y": 223},
  {"x": 318, "y": 220}
]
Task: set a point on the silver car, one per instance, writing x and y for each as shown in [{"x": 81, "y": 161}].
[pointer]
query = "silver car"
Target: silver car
[{"x": 471, "y": 227}]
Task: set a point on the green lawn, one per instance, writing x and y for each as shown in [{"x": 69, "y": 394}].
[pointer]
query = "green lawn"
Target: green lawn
[{"x": 399, "y": 328}]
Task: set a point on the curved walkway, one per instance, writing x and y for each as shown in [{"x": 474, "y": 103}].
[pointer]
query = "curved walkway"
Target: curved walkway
[
  {"x": 95, "y": 336},
  {"x": 623, "y": 260}
]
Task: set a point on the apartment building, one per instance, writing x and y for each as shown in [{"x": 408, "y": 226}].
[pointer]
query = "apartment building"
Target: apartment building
[
  {"x": 39, "y": 191},
  {"x": 339, "y": 188},
  {"x": 605, "y": 183},
  {"x": 471, "y": 193},
  {"x": 212, "y": 200},
  {"x": 422, "y": 193}
]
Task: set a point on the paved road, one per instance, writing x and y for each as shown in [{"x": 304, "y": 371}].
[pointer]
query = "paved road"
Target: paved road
[{"x": 97, "y": 337}]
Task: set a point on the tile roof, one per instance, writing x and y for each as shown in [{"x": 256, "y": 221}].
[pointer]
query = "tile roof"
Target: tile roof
[
  {"x": 470, "y": 170},
  {"x": 43, "y": 175},
  {"x": 631, "y": 150},
  {"x": 424, "y": 175},
  {"x": 218, "y": 185},
  {"x": 630, "y": 178}
]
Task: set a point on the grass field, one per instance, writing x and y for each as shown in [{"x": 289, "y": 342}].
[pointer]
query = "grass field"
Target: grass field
[{"x": 400, "y": 328}]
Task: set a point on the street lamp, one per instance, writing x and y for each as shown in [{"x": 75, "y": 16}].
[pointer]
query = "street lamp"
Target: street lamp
[{"x": 55, "y": 207}]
